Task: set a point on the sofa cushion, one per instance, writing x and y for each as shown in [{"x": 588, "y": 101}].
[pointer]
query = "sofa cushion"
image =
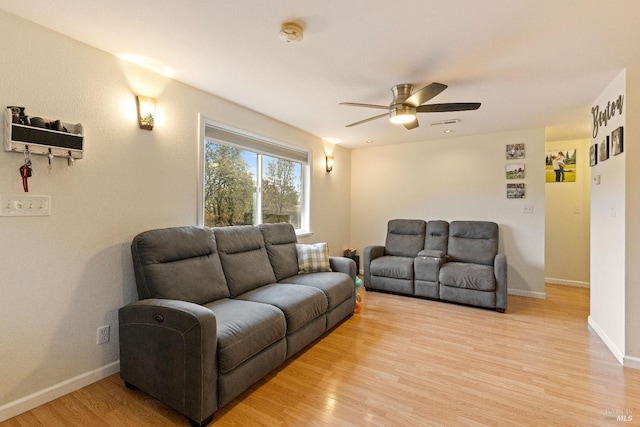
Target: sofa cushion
[
  {"x": 180, "y": 263},
  {"x": 280, "y": 240},
  {"x": 392, "y": 266},
  {"x": 244, "y": 258},
  {"x": 313, "y": 258},
  {"x": 244, "y": 329},
  {"x": 473, "y": 241},
  {"x": 405, "y": 237},
  {"x": 300, "y": 304},
  {"x": 338, "y": 287},
  {"x": 437, "y": 235},
  {"x": 469, "y": 276}
]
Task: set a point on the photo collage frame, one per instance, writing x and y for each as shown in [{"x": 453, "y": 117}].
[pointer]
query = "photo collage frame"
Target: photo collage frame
[
  {"x": 515, "y": 171},
  {"x": 610, "y": 145}
]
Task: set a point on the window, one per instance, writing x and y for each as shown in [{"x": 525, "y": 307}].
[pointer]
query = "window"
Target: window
[{"x": 249, "y": 180}]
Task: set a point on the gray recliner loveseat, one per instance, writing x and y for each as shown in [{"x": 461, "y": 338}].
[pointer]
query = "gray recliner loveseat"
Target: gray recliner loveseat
[
  {"x": 221, "y": 308},
  {"x": 457, "y": 262}
]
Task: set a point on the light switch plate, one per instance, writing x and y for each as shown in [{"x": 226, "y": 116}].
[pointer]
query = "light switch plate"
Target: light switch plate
[
  {"x": 25, "y": 205},
  {"x": 527, "y": 209}
]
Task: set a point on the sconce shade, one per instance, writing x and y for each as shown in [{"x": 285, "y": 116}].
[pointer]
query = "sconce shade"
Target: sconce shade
[
  {"x": 329, "y": 163},
  {"x": 146, "y": 111}
]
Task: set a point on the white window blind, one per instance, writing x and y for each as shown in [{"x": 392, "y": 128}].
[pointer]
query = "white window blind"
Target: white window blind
[{"x": 255, "y": 144}]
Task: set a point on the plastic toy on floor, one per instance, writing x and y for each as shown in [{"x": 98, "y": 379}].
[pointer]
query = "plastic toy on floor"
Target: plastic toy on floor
[{"x": 359, "y": 296}]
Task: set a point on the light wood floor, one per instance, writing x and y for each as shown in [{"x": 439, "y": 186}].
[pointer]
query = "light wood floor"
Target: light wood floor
[{"x": 411, "y": 362}]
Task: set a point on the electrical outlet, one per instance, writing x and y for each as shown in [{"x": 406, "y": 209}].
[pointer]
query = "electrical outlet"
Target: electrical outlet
[{"x": 103, "y": 334}]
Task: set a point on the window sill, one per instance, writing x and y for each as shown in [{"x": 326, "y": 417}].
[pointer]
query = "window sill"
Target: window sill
[{"x": 300, "y": 233}]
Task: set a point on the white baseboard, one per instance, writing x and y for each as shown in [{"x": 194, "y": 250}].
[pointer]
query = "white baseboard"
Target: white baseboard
[
  {"x": 607, "y": 341},
  {"x": 574, "y": 283},
  {"x": 41, "y": 397},
  {"x": 626, "y": 361},
  {"x": 631, "y": 362},
  {"x": 529, "y": 294}
]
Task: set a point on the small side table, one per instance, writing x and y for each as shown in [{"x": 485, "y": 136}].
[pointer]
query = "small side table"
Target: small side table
[{"x": 356, "y": 258}]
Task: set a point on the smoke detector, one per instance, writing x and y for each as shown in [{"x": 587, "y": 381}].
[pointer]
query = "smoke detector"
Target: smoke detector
[{"x": 291, "y": 32}]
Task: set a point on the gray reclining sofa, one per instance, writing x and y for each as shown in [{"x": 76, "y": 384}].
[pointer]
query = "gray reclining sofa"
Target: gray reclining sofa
[
  {"x": 221, "y": 308},
  {"x": 457, "y": 262}
]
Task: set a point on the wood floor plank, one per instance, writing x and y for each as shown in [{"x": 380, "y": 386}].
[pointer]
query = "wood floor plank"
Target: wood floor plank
[{"x": 410, "y": 362}]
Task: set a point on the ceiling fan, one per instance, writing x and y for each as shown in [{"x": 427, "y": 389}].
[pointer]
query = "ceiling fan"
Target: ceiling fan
[{"x": 405, "y": 105}]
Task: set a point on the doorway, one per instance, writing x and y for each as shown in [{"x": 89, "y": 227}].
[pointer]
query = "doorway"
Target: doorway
[{"x": 568, "y": 216}]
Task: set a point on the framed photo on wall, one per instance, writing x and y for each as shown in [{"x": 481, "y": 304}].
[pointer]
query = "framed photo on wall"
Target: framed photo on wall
[
  {"x": 603, "y": 149},
  {"x": 561, "y": 165},
  {"x": 515, "y": 151},
  {"x": 616, "y": 141},
  {"x": 515, "y": 191},
  {"x": 593, "y": 155},
  {"x": 515, "y": 171}
]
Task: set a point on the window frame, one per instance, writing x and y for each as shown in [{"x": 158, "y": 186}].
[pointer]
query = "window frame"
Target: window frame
[{"x": 265, "y": 146}]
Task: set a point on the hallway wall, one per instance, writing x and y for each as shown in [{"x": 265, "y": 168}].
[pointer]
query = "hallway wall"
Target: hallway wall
[{"x": 567, "y": 221}]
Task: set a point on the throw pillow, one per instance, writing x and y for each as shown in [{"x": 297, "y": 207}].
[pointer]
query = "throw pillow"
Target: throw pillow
[{"x": 313, "y": 258}]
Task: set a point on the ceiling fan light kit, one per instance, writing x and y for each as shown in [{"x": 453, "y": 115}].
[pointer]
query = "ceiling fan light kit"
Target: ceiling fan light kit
[
  {"x": 401, "y": 114},
  {"x": 407, "y": 103}
]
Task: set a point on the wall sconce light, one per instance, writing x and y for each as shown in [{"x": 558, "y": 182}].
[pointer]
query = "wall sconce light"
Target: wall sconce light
[
  {"x": 146, "y": 111},
  {"x": 329, "y": 163}
]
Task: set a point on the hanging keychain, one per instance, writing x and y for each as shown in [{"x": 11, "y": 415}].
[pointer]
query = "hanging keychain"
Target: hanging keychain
[
  {"x": 25, "y": 170},
  {"x": 70, "y": 160},
  {"x": 50, "y": 156}
]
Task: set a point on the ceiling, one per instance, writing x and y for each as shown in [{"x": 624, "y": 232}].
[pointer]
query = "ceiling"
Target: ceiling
[{"x": 531, "y": 63}]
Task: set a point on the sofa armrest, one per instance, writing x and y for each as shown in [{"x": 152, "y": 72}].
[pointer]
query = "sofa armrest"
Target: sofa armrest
[
  {"x": 168, "y": 349},
  {"x": 369, "y": 254},
  {"x": 432, "y": 253},
  {"x": 426, "y": 266},
  {"x": 343, "y": 265},
  {"x": 500, "y": 271}
]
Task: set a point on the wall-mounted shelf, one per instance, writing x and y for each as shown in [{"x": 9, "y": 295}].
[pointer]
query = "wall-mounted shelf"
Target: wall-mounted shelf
[{"x": 17, "y": 137}]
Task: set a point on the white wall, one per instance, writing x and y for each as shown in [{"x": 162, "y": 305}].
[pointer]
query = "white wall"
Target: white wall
[
  {"x": 455, "y": 179},
  {"x": 608, "y": 207},
  {"x": 567, "y": 221},
  {"x": 632, "y": 224},
  {"x": 615, "y": 245},
  {"x": 65, "y": 275}
]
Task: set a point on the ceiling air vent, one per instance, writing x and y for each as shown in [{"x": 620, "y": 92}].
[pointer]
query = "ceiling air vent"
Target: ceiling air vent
[{"x": 446, "y": 122}]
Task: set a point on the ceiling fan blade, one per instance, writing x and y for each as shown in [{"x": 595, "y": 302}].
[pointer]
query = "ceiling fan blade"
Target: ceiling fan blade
[
  {"x": 451, "y": 106},
  {"x": 368, "y": 120},
  {"x": 412, "y": 125},
  {"x": 355, "y": 104},
  {"x": 421, "y": 96}
]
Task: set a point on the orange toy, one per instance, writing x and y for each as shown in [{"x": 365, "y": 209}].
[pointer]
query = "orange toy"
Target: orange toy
[{"x": 359, "y": 296}]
